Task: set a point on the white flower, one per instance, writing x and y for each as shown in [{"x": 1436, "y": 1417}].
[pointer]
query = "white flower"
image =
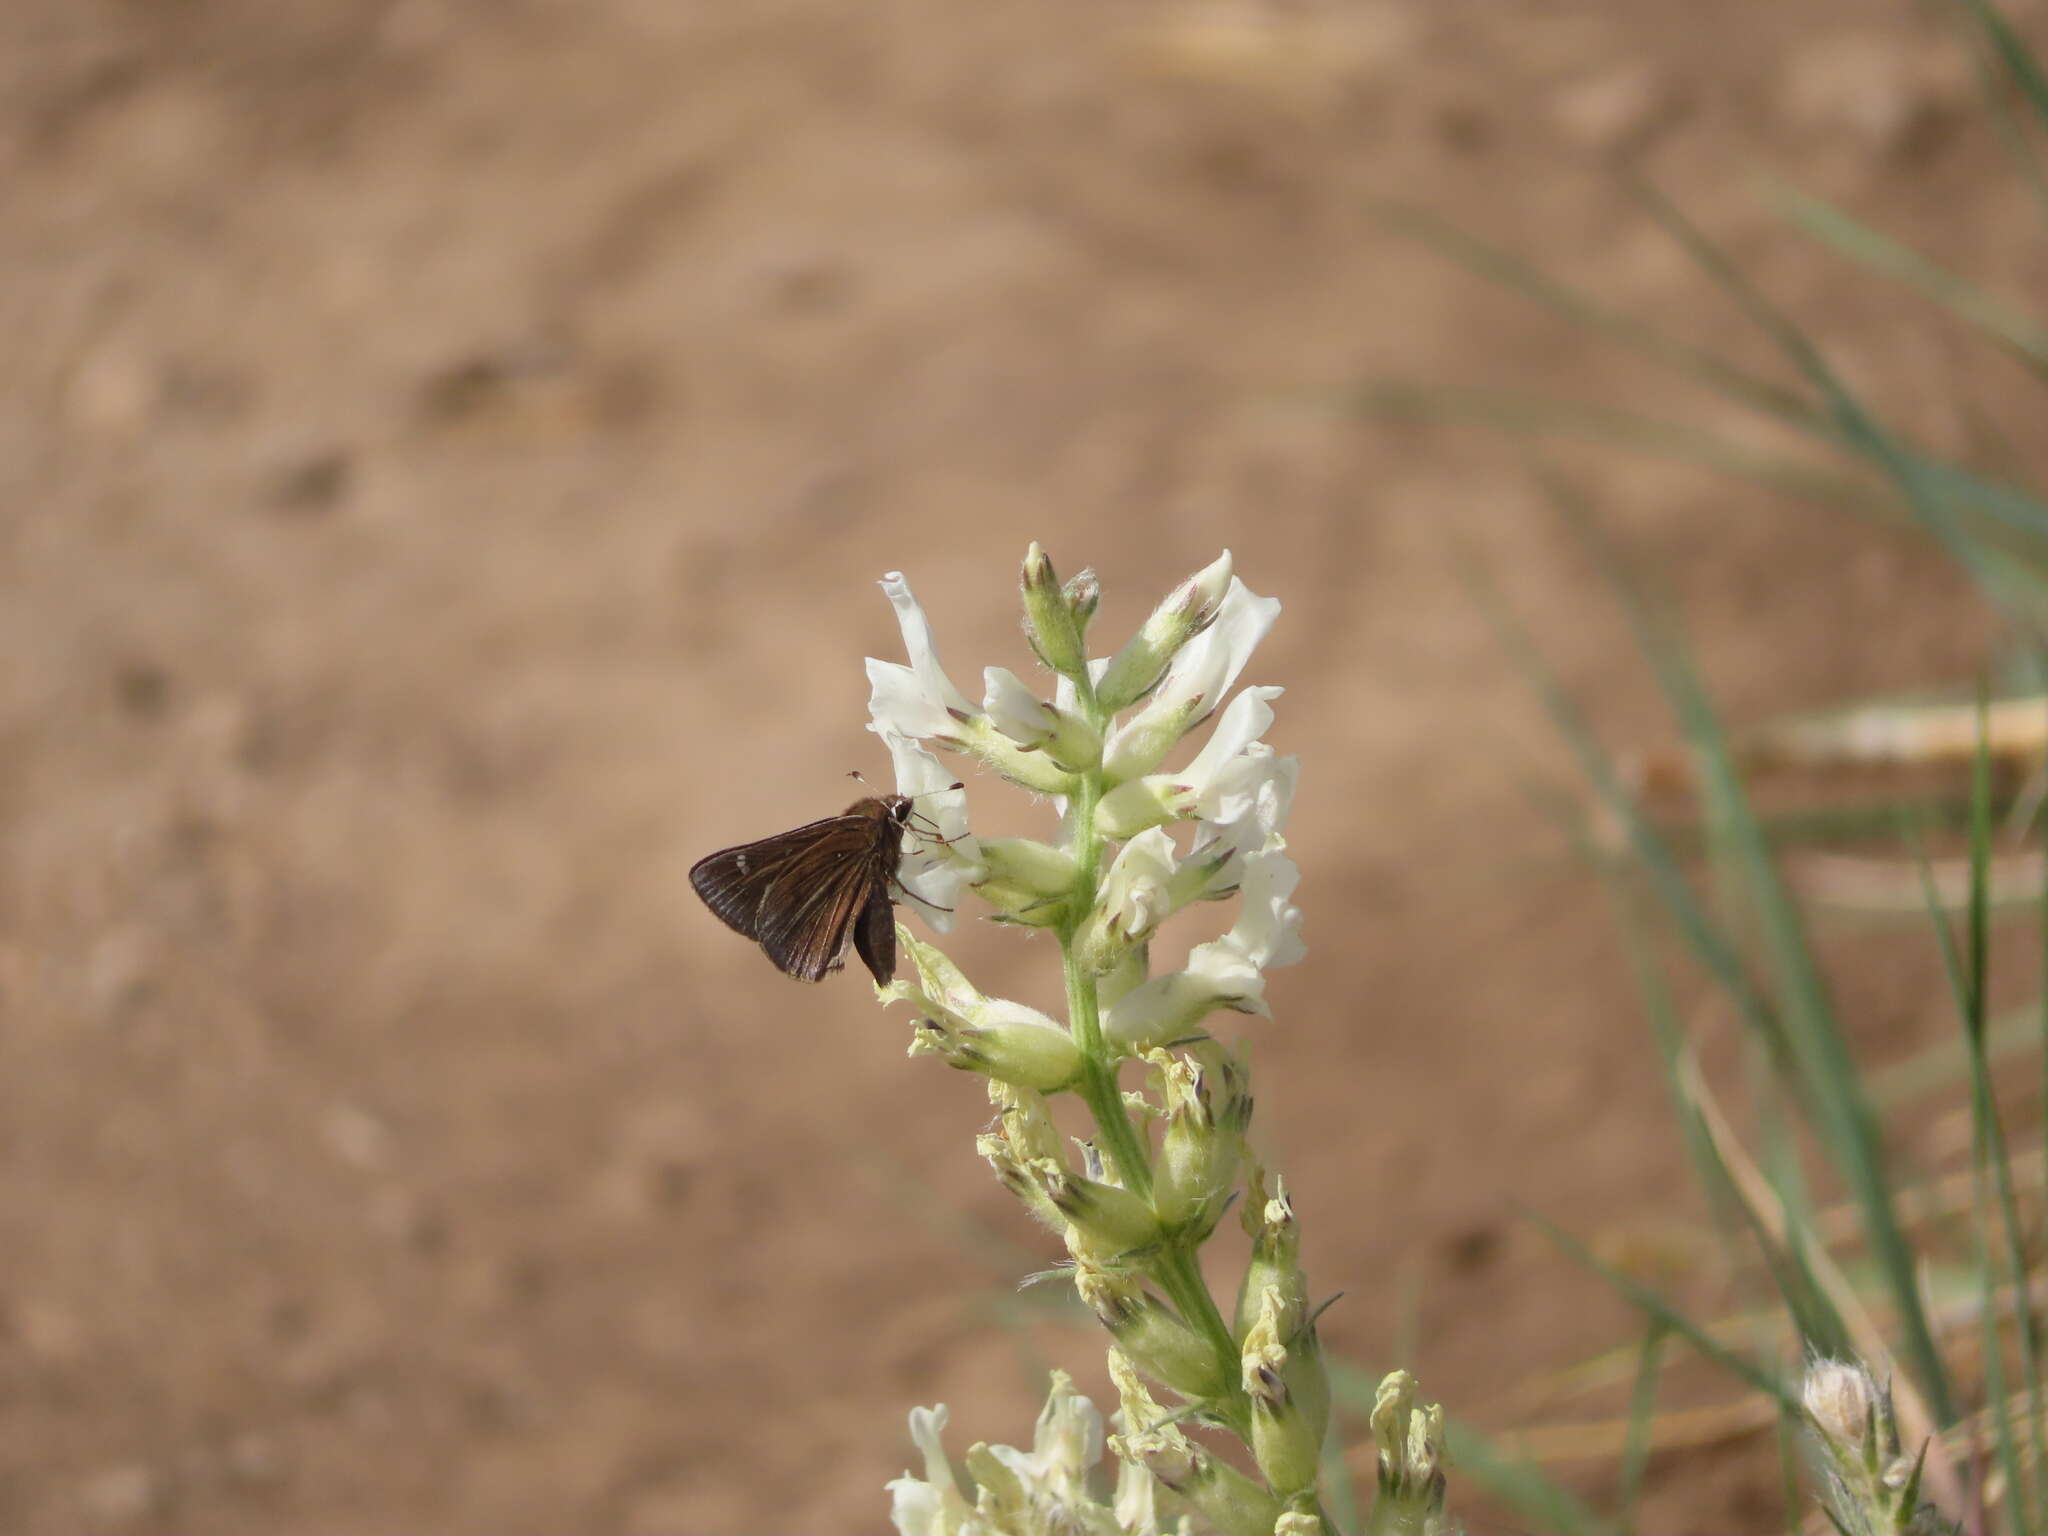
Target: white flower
[
  {"x": 1219, "y": 785},
  {"x": 941, "y": 858},
  {"x": 1137, "y": 893},
  {"x": 1261, "y": 791},
  {"x": 1045, "y": 1491},
  {"x": 1064, "y": 1449},
  {"x": 919, "y": 700},
  {"x": 1268, "y": 929},
  {"x": 1224, "y": 973},
  {"x": 1197, "y": 678},
  {"x": 930, "y": 1505}
]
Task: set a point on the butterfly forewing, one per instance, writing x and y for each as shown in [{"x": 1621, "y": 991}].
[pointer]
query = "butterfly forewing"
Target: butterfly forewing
[{"x": 800, "y": 894}]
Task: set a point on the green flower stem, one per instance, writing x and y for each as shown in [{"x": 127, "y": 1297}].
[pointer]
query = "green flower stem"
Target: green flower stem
[
  {"x": 1178, "y": 1271},
  {"x": 1098, "y": 1085}
]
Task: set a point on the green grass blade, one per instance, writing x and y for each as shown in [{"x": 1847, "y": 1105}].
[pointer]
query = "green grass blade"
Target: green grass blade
[
  {"x": 2012, "y": 133},
  {"x": 2012, "y": 51},
  {"x": 1924, "y": 491},
  {"x": 1653, "y": 1305},
  {"x": 1642, "y": 1409},
  {"x": 1530, "y": 416},
  {"x": 1949, "y": 1059},
  {"x": 1989, "y": 1148},
  {"x": 2024, "y": 337},
  {"x": 1943, "y": 498},
  {"x": 1510, "y": 271},
  {"x": 1716, "y": 951},
  {"x": 1824, "y": 1069}
]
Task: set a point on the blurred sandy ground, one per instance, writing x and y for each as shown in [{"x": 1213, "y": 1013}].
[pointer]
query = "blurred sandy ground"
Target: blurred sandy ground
[{"x": 446, "y": 450}]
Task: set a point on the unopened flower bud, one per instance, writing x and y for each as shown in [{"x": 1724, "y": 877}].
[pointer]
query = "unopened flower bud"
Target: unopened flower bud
[
  {"x": 1867, "y": 1484},
  {"x": 1190, "y": 609},
  {"x": 1056, "y": 632},
  {"x": 1083, "y": 593},
  {"x": 1849, "y": 1409},
  {"x": 1150, "y": 1334},
  {"x": 1296, "y": 1523}
]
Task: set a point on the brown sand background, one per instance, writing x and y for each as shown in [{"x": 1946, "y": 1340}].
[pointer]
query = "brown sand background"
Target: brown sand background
[{"x": 446, "y": 450}]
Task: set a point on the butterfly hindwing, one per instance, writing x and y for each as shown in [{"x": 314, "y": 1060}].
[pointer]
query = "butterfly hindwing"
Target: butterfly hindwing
[
  {"x": 806, "y": 934},
  {"x": 874, "y": 935},
  {"x": 737, "y": 883}
]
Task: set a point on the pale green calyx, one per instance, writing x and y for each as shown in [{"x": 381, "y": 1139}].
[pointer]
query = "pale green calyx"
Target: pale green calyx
[
  {"x": 1036, "y": 726},
  {"x": 1191, "y": 608},
  {"x": 1150, "y": 1334},
  {"x": 1275, "y": 1265},
  {"x": 1196, "y": 680},
  {"x": 993, "y": 1036},
  {"x": 1026, "y": 881},
  {"x": 1229, "y": 1502},
  {"x": 1289, "y": 1391}
]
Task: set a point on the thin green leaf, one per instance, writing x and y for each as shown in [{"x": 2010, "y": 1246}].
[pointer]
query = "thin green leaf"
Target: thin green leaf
[
  {"x": 1989, "y": 1148},
  {"x": 1824, "y": 1069},
  {"x": 2012, "y": 51},
  {"x": 1653, "y": 1305},
  {"x": 1525, "y": 415},
  {"x": 2024, "y": 337},
  {"x": 1642, "y": 1411},
  {"x": 1510, "y": 271},
  {"x": 1926, "y": 491},
  {"x": 1660, "y": 864},
  {"x": 2012, "y": 132}
]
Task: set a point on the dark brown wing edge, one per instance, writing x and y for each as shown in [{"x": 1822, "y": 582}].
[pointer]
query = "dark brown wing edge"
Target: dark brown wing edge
[{"x": 735, "y": 883}]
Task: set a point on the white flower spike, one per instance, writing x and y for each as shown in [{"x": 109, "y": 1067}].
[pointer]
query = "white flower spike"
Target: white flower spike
[{"x": 1131, "y": 1207}]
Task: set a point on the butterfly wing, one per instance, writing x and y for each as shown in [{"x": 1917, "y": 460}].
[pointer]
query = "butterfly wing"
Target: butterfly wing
[
  {"x": 874, "y": 935},
  {"x": 797, "y": 893}
]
